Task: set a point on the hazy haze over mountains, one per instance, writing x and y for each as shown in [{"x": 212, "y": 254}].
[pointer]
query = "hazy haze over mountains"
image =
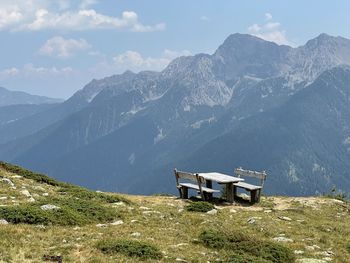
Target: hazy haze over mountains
[{"x": 252, "y": 103}]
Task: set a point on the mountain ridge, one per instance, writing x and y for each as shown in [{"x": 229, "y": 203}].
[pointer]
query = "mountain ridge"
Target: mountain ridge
[{"x": 192, "y": 102}]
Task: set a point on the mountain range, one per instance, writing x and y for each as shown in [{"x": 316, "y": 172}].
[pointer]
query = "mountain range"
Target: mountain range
[{"x": 252, "y": 103}]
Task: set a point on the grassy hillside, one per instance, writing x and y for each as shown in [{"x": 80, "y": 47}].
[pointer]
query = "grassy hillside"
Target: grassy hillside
[{"x": 43, "y": 219}]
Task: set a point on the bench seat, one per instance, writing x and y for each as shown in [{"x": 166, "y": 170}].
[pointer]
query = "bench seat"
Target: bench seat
[
  {"x": 196, "y": 187},
  {"x": 247, "y": 186}
]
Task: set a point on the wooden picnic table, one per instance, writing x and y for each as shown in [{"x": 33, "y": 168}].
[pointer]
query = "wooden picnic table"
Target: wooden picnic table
[{"x": 220, "y": 178}]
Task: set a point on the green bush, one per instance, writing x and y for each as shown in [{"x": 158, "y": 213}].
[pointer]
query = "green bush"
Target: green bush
[
  {"x": 129, "y": 248},
  {"x": 337, "y": 194},
  {"x": 72, "y": 212},
  {"x": 86, "y": 194},
  {"x": 246, "y": 247},
  {"x": 348, "y": 247},
  {"x": 24, "y": 214},
  {"x": 238, "y": 258},
  {"x": 199, "y": 206},
  {"x": 213, "y": 239}
]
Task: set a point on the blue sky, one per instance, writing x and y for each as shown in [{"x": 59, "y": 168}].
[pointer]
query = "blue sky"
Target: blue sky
[{"x": 54, "y": 48}]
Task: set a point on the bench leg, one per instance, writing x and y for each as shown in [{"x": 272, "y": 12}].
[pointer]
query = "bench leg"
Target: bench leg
[
  {"x": 258, "y": 196},
  {"x": 208, "y": 196},
  {"x": 184, "y": 192},
  {"x": 229, "y": 192},
  {"x": 253, "y": 196}
]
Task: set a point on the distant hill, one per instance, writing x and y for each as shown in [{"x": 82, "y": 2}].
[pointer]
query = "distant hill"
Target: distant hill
[
  {"x": 8, "y": 97},
  {"x": 252, "y": 103}
]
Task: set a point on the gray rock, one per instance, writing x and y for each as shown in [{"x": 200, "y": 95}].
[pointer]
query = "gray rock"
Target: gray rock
[
  {"x": 212, "y": 212},
  {"x": 8, "y": 181},
  {"x": 26, "y": 193},
  {"x": 180, "y": 260},
  {"x": 101, "y": 225},
  {"x": 283, "y": 239},
  {"x": 285, "y": 218},
  {"x": 135, "y": 234},
  {"x": 310, "y": 260},
  {"x": 3, "y": 222},
  {"x": 49, "y": 207},
  {"x": 116, "y": 223},
  {"x": 251, "y": 220}
]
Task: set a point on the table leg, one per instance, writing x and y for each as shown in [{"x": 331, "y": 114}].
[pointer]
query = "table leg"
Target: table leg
[
  {"x": 229, "y": 192},
  {"x": 209, "y": 183},
  {"x": 234, "y": 192}
]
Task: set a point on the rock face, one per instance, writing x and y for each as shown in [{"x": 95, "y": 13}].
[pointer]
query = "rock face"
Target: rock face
[{"x": 252, "y": 103}]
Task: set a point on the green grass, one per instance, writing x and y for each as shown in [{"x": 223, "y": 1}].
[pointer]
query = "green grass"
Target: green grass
[
  {"x": 83, "y": 193},
  {"x": 246, "y": 247},
  {"x": 72, "y": 212},
  {"x": 129, "y": 248},
  {"x": 199, "y": 206}
]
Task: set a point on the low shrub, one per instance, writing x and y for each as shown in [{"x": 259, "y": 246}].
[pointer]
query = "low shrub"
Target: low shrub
[
  {"x": 337, "y": 194},
  {"x": 199, "y": 206},
  {"x": 348, "y": 247},
  {"x": 213, "y": 239},
  {"x": 86, "y": 194},
  {"x": 238, "y": 258},
  {"x": 24, "y": 214},
  {"x": 129, "y": 248},
  {"x": 246, "y": 247},
  {"x": 72, "y": 212}
]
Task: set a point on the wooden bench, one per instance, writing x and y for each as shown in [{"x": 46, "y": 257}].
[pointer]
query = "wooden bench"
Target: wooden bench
[
  {"x": 205, "y": 192},
  {"x": 255, "y": 190}
]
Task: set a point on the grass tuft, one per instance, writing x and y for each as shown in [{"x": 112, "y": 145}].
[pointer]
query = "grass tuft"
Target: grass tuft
[
  {"x": 200, "y": 206},
  {"x": 246, "y": 247},
  {"x": 82, "y": 193},
  {"x": 72, "y": 212},
  {"x": 129, "y": 248}
]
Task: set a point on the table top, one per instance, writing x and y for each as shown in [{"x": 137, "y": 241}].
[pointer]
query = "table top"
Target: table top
[{"x": 220, "y": 178}]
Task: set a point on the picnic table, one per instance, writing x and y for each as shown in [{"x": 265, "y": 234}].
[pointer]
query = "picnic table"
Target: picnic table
[{"x": 220, "y": 178}]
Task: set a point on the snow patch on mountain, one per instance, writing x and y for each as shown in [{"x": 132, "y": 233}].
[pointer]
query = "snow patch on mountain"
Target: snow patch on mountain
[
  {"x": 198, "y": 124},
  {"x": 160, "y": 136}
]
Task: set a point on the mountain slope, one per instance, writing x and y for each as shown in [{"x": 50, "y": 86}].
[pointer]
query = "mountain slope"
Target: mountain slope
[
  {"x": 8, "y": 97},
  {"x": 303, "y": 144},
  {"x": 178, "y": 112}
]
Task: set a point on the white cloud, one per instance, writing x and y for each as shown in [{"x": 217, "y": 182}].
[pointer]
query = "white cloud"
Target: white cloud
[
  {"x": 63, "y": 48},
  {"x": 270, "y": 31},
  {"x": 268, "y": 16},
  {"x": 31, "y": 71},
  {"x": 8, "y": 73},
  {"x": 34, "y": 15},
  {"x": 132, "y": 60}
]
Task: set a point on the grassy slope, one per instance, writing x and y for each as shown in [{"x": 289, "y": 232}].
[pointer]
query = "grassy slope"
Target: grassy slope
[{"x": 162, "y": 222}]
